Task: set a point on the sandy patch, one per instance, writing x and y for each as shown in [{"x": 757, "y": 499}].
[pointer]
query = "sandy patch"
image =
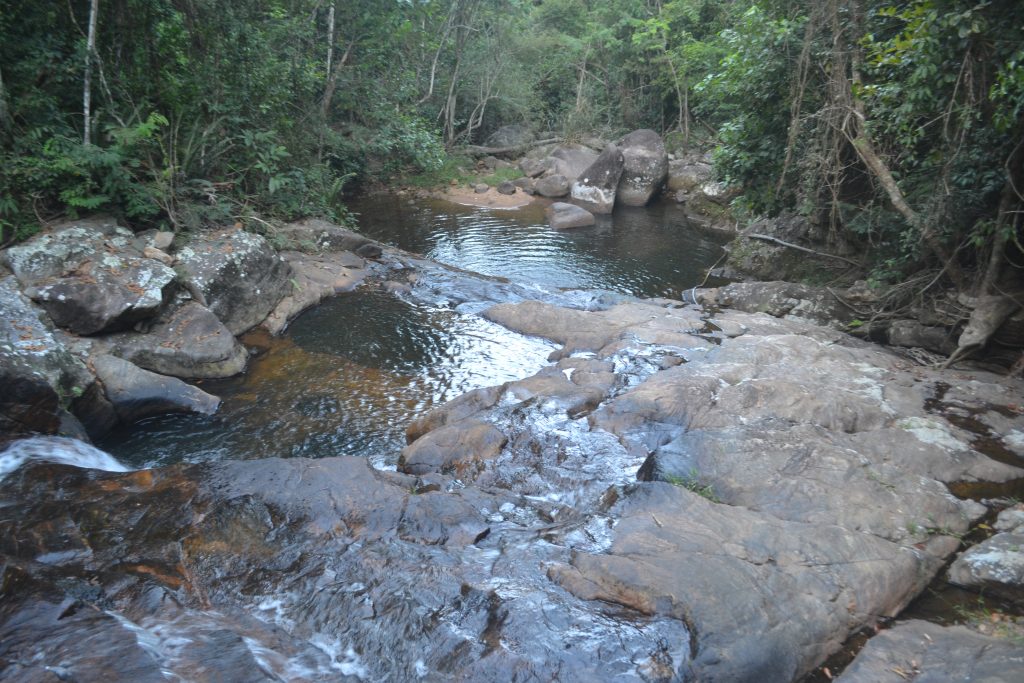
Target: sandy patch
[{"x": 491, "y": 199}]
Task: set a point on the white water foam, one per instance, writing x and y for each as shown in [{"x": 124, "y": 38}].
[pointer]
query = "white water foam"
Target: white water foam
[{"x": 56, "y": 449}]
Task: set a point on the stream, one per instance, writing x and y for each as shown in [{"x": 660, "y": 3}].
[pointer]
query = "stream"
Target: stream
[{"x": 350, "y": 374}]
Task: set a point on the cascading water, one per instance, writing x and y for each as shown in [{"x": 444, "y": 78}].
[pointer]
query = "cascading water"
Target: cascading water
[{"x": 56, "y": 449}]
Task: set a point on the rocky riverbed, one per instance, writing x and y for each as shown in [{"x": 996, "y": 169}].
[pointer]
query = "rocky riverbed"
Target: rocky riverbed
[{"x": 681, "y": 493}]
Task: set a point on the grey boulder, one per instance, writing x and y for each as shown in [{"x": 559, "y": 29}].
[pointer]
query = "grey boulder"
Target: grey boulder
[
  {"x": 238, "y": 275},
  {"x": 645, "y": 166},
  {"x": 90, "y": 278},
  {"x": 188, "y": 341},
  {"x": 552, "y": 186},
  {"x": 137, "y": 394},
  {"x": 595, "y": 189}
]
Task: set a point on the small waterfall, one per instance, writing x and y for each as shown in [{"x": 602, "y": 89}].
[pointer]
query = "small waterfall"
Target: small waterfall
[{"x": 56, "y": 449}]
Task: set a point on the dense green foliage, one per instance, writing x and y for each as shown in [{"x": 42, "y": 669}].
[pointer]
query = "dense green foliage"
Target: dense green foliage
[{"x": 896, "y": 128}]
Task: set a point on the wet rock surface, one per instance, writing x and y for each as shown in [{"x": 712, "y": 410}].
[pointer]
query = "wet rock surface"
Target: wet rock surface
[
  {"x": 920, "y": 651},
  {"x": 314, "y": 278},
  {"x": 681, "y": 494},
  {"x": 562, "y": 216}
]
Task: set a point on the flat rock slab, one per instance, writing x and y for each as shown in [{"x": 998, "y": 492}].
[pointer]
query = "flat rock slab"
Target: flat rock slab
[
  {"x": 677, "y": 554},
  {"x": 238, "y": 274},
  {"x": 314, "y": 278},
  {"x": 928, "y": 653},
  {"x": 562, "y": 216},
  {"x": 188, "y": 341},
  {"x": 89, "y": 277},
  {"x": 137, "y": 394},
  {"x": 312, "y": 235}
]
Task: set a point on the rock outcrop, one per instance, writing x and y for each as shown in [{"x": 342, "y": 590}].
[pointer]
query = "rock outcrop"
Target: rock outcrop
[
  {"x": 996, "y": 565},
  {"x": 920, "y": 651}
]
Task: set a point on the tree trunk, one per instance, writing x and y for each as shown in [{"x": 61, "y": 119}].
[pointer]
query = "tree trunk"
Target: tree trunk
[{"x": 90, "y": 47}]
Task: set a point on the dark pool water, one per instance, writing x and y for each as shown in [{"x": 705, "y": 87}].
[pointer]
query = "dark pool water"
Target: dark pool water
[
  {"x": 649, "y": 251},
  {"x": 350, "y": 374}
]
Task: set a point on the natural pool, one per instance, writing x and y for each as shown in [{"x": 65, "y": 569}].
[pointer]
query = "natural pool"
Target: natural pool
[{"x": 349, "y": 375}]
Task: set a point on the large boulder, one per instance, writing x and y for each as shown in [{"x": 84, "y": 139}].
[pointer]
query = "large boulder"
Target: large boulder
[
  {"x": 39, "y": 376},
  {"x": 237, "y": 274},
  {"x": 645, "y": 166},
  {"x": 595, "y": 188},
  {"x": 188, "y": 341},
  {"x": 562, "y": 216},
  {"x": 90, "y": 277},
  {"x": 534, "y": 168},
  {"x": 688, "y": 175},
  {"x": 552, "y": 186},
  {"x": 513, "y": 135},
  {"x": 136, "y": 394}
]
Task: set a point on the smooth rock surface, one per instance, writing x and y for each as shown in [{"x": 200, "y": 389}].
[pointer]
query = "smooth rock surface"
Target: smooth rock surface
[
  {"x": 240, "y": 277},
  {"x": 314, "y": 278}
]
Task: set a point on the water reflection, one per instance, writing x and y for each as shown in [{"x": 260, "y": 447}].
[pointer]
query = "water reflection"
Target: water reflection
[
  {"x": 348, "y": 378},
  {"x": 649, "y": 251}
]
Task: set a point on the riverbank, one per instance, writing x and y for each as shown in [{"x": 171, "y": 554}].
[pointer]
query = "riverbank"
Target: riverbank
[{"x": 672, "y": 496}]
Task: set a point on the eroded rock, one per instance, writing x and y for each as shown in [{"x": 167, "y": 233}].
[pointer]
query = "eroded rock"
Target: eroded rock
[{"x": 314, "y": 278}]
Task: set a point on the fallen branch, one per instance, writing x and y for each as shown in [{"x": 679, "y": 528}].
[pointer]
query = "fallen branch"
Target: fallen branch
[
  {"x": 776, "y": 240},
  {"x": 478, "y": 151}
]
